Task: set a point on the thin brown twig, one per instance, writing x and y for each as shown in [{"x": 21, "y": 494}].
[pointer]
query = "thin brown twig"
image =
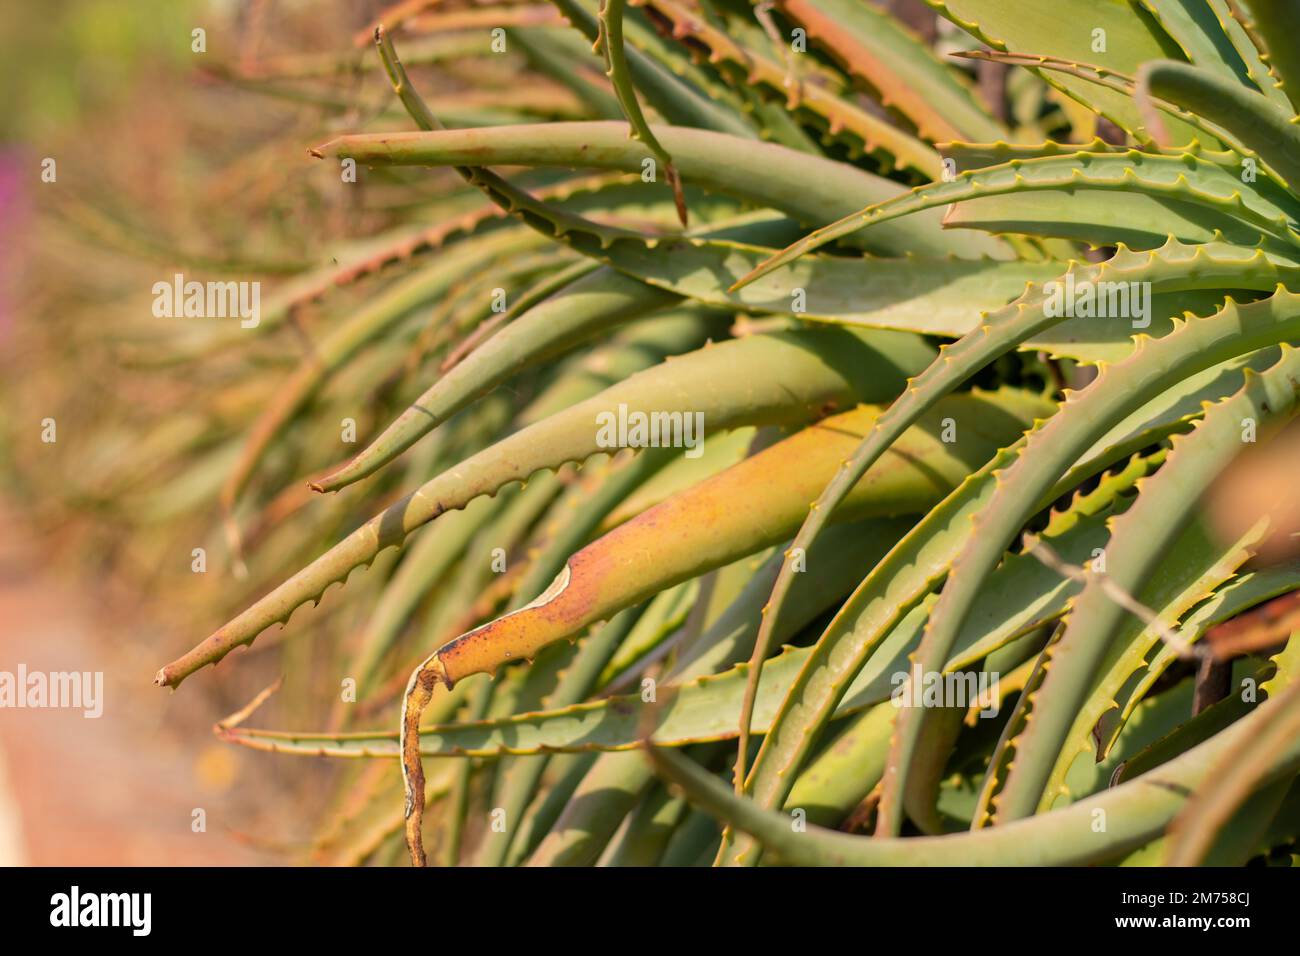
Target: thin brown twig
[{"x": 1044, "y": 553}]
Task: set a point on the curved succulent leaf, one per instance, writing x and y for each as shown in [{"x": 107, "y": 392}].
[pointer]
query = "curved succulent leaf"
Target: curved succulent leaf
[
  {"x": 1171, "y": 268},
  {"x": 838, "y": 116},
  {"x": 635, "y": 561},
  {"x": 1128, "y": 37},
  {"x": 790, "y": 377},
  {"x": 1155, "y": 365},
  {"x": 1142, "y": 539},
  {"x": 1138, "y": 811},
  {"x": 1182, "y": 178},
  {"x": 902, "y": 72},
  {"x": 807, "y": 188},
  {"x": 1263, "y": 126},
  {"x": 674, "y": 99},
  {"x": 1239, "y": 773},
  {"x": 344, "y": 342},
  {"x": 1200, "y": 33},
  {"x": 888, "y": 595},
  {"x": 1241, "y": 594},
  {"x": 586, "y": 308},
  {"x": 610, "y": 42},
  {"x": 1273, "y": 23}
]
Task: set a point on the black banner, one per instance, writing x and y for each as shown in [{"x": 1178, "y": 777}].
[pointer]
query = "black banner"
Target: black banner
[{"x": 581, "y": 908}]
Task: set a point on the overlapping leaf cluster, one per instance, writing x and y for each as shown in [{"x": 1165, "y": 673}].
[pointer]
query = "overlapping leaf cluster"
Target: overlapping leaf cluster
[{"x": 803, "y": 222}]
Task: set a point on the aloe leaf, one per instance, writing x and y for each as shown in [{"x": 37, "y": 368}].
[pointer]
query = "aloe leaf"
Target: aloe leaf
[
  {"x": 610, "y": 42},
  {"x": 1198, "y": 30},
  {"x": 1204, "y": 134},
  {"x": 1141, "y": 541},
  {"x": 1253, "y": 54},
  {"x": 706, "y": 709},
  {"x": 1240, "y": 773},
  {"x": 1182, "y": 178},
  {"x": 895, "y": 585},
  {"x": 1273, "y": 23},
  {"x": 1202, "y": 567},
  {"x": 594, "y": 811},
  {"x": 518, "y": 778},
  {"x": 547, "y": 219},
  {"x": 979, "y": 155},
  {"x": 581, "y": 311},
  {"x": 362, "y": 259},
  {"x": 1162, "y": 727},
  {"x": 1163, "y": 717},
  {"x": 1241, "y": 594},
  {"x": 838, "y": 117},
  {"x": 694, "y": 843},
  {"x": 1139, "y": 222},
  {"x": 605, "y": 796},
  {"x": 846, "y": 771},
  {"x": 676, "y": 476},
  {"x": 1154, "y": 366},
  {"x": 672, "y": 98},
  {"x": 476, "y": 707},
  {"x": 968, "y": 155},
  {"x": 651, "y": 37},
  {"x": 1022, "y": 596},
  {"x": 582, "y": 512},
  {"x": 1212, "y": 720},
  {"x": 1114, "y": 742},
  {"x": 807, "y": 188},
  {"x": 1128, "y": 36},
  {"x": 606, "y": 793},
  {"x": 515, "y": 201},
  {"x": 1263, "y": 126},
  {"x": 931, "y": 296},
  {"x": 938, "y": 296},
  {"x": 430, "y": 558},
  {"x": 644, "y": 836},
  {"x": 552, "y": 52},
  {"x": 567, "y": 772},
  {"x": 367, "y": 258},
  {"x": 344, "y": 342},
  {"x": 1124, "y": 662},
  {"x": 635, "y": 560},
  {"x": 1167, "y": 269},
  {"x": 602, "y": 800},
  {"x": 1030, "y": 593},
  {"x": 629, "y": 352},
  {"x": 376, "y": 823},
  {"x": 419, "y": 419},
  {"x": 534, "y": 295},
  {"x": 664, "y": 617},
  {"x": 592, "y": 586},
  {"x": 789, "y": 377},
  {"x": 1137, "y": 812},
  {"x": 901, "y": 70}
]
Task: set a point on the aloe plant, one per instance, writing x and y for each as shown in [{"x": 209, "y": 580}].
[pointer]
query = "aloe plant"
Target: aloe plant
[{"x": 966, "y": 372}]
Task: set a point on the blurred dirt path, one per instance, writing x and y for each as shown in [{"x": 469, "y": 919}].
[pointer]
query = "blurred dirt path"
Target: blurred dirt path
[{"x": 117, "y": 790}]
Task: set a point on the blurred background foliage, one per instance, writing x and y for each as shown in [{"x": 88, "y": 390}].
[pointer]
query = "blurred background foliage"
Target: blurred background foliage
[{"x": 65, "y": 60}]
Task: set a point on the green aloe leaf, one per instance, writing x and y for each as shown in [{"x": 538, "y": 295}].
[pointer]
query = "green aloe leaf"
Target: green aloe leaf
[
  {"x": 1137, "y": 812},
  {"x": 789, "y": 377},
  {"x": 807, "y": 188},
  {"x": 1263, "y": 126},
  {"x": 1184, "y": 179},
  {"x": 1113, "y": 33},
  {"x": 1154, "y": 366},
  {"x": 1141, "y": 544}
]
